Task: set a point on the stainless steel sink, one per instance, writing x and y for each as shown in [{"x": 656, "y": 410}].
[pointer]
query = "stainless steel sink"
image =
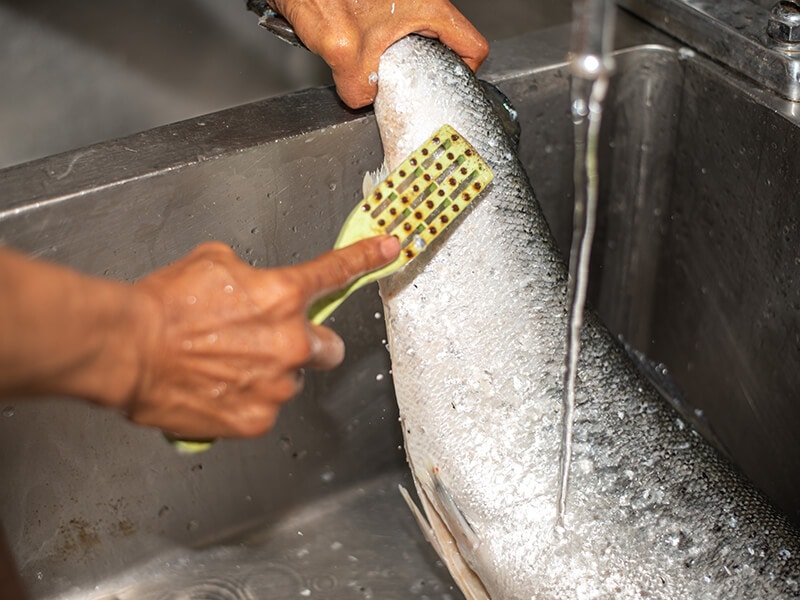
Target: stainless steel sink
[
  {"x": 82, "y": 72},
  {"x": 697, "y": 264}
]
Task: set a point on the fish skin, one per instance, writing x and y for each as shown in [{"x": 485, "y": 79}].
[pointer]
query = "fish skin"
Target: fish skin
[{"x": 476, "y": 330}]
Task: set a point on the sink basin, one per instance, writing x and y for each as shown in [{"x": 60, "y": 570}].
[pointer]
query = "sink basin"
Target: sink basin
[
  {"x": 122, "y": 68},
  {"x": 696, "y": 265}
]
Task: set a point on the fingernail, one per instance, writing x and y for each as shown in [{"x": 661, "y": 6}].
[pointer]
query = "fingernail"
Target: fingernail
[
  {"x": 337, "y": 351},
  {"x": 390, "y": 247}
]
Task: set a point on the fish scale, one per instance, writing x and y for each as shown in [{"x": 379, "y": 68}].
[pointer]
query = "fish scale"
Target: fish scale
[{"x": 476, "y": 331}]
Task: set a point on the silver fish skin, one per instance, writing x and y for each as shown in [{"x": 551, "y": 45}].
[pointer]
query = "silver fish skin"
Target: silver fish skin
[{"x": 476, "y": 329}]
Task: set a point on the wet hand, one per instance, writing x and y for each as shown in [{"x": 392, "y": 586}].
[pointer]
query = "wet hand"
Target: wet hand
[
  {"x": 351, "y": 35},
  {"x": 225, "y": 345}
]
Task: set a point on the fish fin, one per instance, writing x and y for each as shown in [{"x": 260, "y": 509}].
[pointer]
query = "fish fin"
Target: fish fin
[
  {"x": 455, "y": 520},
  {"x": 372, "y": 179},
  {"x": 438, "y": 533},
  {"x": 505, "y": 111},
  {"x": 426, "y": 528}
]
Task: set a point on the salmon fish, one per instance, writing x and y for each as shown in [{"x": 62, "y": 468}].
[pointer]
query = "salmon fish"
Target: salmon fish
[{"x": 477, "y": 336}]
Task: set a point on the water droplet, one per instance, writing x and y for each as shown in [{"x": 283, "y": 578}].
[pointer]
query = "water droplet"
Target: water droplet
[
  {"x": 254, "y": 230},
  {"x": 336, "y": 546},
  {"x": 228, "y": 289},
  {"x": 39, "y": 575},
  {"x": 212, "y": 337},
  {"x": 580, "y": 108},
  {"x": 305, "y": 593},
  {"x": 377, "y": 315},
  {"x": 8, "y": 411},
  {"x": 192, "y": 525},
  {"x": 332, "y": 186},
  {"x": 328, "y": 476},
  {"x": 379, "y": 377},
  {"x": 191, "y": 300},
  {"x": 373, "y": 78},
  {"x": 325, "y": 583},
  {"x": 186, "y": 345}
]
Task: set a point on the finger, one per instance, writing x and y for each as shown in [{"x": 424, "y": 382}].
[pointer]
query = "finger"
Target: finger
[
  {"x": 473, "y": 48},
  {"x": 335, "y": 269},
  {"x": 462, "y": 38},
  {"x": 328, "y": 349},
  {"x": 357, "y": 87}
]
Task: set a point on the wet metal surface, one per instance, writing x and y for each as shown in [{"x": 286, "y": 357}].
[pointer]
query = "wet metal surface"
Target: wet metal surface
[
  {"x": 746, "y": 35},
  {"x": 83, "y": 72},
  {"x": 361, "y": 543}
]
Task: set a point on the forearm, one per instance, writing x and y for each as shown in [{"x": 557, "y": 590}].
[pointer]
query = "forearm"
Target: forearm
[
  {"x": 204, "y": 347},
  {"x": 65, "y": 333}
]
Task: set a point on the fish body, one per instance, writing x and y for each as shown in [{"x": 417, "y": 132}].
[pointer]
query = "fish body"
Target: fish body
[{"x": 476, "y": 330}]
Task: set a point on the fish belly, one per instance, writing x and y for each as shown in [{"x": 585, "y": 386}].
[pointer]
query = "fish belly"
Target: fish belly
[{"x": 476, "y": 329}]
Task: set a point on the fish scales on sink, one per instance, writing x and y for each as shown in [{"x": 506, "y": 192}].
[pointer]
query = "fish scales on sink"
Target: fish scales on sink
[{"x": 476, "y": 331}]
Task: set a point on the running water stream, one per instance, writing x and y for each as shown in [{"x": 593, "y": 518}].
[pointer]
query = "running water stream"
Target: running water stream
[{"x": 591, "y": 65}]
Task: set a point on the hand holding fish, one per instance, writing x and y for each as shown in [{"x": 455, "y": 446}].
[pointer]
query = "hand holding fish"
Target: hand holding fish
[
  {"x": 205, "y": 347},
  {"x": 351, "y": 35}
]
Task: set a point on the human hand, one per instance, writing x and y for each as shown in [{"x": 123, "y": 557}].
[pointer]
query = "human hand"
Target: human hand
[
  {"x": 227, "y": 343},
  {"x": 351, "y": 35}
]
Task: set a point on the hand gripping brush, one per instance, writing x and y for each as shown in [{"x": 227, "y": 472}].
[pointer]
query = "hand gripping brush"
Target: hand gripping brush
[{"x": 415, "y": 203}]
